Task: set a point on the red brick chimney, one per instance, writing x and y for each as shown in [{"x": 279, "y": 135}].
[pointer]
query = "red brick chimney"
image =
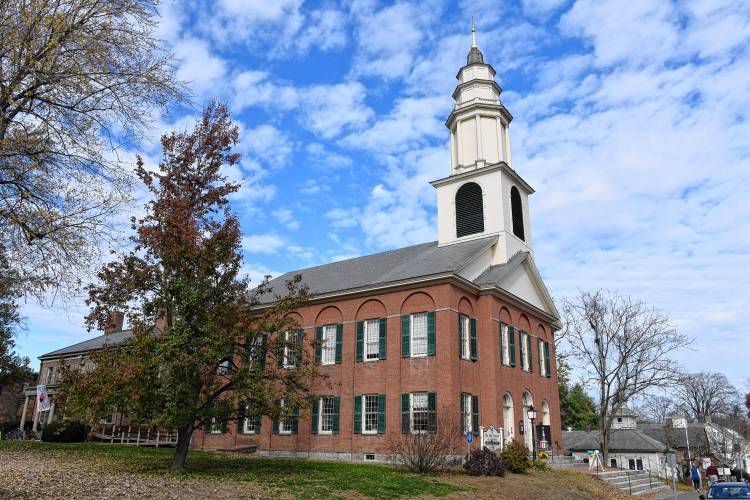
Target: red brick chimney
[{"x": 114, "y": 322}]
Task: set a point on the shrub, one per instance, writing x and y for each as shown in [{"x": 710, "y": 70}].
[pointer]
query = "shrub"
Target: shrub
[
  {"x": 428, "y": 452},
  {"x": 740, "y": 474},
  {"x": 516, "y": 457},
  {"x": 484, "y": 463},
  {"x": 8, "y": 426},
  {"x": 65, "y": 431},
  {"x": 540, "y": 465}
]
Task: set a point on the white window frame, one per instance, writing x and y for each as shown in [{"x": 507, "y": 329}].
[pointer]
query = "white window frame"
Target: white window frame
[
  {"x": 320, "y": 414},
  {"x": 525, "y": 351},
  {"x": 255, "y": 348},
  {"x": 50, "y": 378},
  {"x": 467, "y": 416},
  {"x": 376, "y": 397},
  {"x": 366, "y": 339},
  {"x": 505, "y": 333},
  {"x": 284, "y": 421},
  {"x": 465, "y": 331},
  {"x": 248, "y": 422},
  {"x": 412, "y": 336},
  {"x": 328, "y": 345},
  {"x": 289, "y": 352},
  {"x": 542, "y": 364},
  {"x": 411, "y": 412}
]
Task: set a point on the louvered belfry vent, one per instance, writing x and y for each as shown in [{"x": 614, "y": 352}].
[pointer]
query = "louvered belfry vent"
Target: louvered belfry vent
[
  {"x": 516, "y": 210},
  {"x": 469, "y": 210}
]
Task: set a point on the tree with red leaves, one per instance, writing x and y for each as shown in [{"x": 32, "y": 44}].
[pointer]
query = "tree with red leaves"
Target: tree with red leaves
[{"x": 204, "y": 361}]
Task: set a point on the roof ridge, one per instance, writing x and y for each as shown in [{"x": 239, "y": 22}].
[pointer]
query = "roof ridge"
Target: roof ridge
[{"x": 84, "y": 341}]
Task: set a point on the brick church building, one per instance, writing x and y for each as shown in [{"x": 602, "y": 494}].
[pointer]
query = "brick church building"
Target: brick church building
[{"x": 462, "y": 324}]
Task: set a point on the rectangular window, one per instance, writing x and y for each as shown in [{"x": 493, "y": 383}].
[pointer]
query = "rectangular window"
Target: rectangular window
[
  {"x": 464, "y": 330},
  {"x": 286, "y": 421},
  {"x": 542, "y": 369},
  {"x": 525, "y": 351},
  {"x": 372, "y": 339},
  {"x": 419, "y": 334},
  {"x": 290, "y": 350},
  {"x": 370, "y": 413},
  {"x": 50, "y": 375},
  {"x": 215, "y": 426},
  {"x": 247, "y": 425},
  {"x": 420, "y": 412},
  {"x": 466, "y": 413},
  {"x": 505, "y": 341},
  {"x": 327, "y": 414},
  {"x": 329, "y": 345},
  {"x": 256, "y": 352}
]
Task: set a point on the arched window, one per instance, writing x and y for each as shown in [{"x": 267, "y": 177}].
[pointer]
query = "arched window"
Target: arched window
[
  {"x": 527, "y": 403},
  {"x": 508, "y": 418},
  {"x": 469, "y": 210},
  {"x": 516, "y": 211}
]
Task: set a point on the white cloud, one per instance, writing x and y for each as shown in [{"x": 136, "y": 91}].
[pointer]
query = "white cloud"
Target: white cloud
[
  {"x": 286, "y": 217},
  {"x": 320, "y": 156},
  {"x": 542, "y": 8},
  {"x": 311, "y": 186},
  {"x": 204, "y": 70},
  {"x": 262, "y": 243},
  {"x": 266, "y": 143},
  {"x": 325, "y": 29}
]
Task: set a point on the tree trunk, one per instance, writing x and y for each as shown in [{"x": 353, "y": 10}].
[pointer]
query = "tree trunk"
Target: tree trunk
[{"x": 183, "y": 445}]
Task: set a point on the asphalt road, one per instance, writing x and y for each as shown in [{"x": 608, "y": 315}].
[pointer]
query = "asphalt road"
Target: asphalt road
[{"x": 680, "y": 496}]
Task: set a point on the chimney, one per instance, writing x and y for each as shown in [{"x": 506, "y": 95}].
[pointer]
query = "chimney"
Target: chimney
[{"x": 114, "y": 322}]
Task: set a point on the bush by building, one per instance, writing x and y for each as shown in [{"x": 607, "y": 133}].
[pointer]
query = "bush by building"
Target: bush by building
[
  {"x": 65, "y": 431},
  {"x": 516, "y": 457},
  {"x": 484, "y": 463}
]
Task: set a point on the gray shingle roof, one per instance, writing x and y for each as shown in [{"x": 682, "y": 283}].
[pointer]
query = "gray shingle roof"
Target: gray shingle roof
[
  {"x": 411, "y": 262},
  {"x": 676, "y": 437},
  {"x": 496, "y": 274},
  {"x": 110, "y": 339},
  {"x": 620, "y": 440}
]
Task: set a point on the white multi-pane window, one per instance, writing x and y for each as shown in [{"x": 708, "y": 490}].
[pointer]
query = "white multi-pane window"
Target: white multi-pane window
[
  {"x": 465, "y": 338},
  {"x": 525, "y": 351},
  {"x": 542, "y": 367},
  {"x": 420, "y": 412},
  {"x": 255, "y": 349},
  {"x": 370, "y": 413},
  {"x": 215, "y": 426},
  {"x": 248, "y": 423},
  {"x": 290, "y": 353},
  {"x": 419, "y": 334},
  {"x": 325, "y": 422},
  {"x": 286, "y": 425},
  {"x": 328, "y": 348},
  {"x": 504, "y": 332},
  {"x": 372, "y": 339},
  {"x": 50, "y": 375},
  {"x": 466, "y": 417}
]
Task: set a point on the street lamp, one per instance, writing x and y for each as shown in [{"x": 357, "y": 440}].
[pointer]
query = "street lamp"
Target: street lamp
[{"x": 531, "y": 413}]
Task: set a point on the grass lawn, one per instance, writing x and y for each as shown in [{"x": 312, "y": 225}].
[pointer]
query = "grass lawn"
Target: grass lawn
[{"x": 33, "y": 470}]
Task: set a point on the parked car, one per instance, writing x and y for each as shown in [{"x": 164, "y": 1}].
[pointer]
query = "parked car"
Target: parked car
[{"x": 727, "y": 490}]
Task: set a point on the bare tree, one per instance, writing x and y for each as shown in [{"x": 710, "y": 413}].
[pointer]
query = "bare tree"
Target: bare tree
[
  {"x": 78, "y": 80},
  {"x": 655, "y": 408},
  {"x": 703, "y": 394},
  {"x": 623, "y": 347},
  {"x": 434, "y": 449}
]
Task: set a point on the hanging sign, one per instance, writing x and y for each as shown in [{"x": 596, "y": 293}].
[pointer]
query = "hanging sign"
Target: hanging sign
[
  {"x": 493, "y": 438},
  {"x": 42, "y": 399}
]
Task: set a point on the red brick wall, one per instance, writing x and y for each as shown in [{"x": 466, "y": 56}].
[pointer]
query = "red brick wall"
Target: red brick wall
[{"x": 445, "y": 373}]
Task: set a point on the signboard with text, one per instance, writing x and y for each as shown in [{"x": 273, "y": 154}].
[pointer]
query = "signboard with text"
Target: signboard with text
[{"x": 493, "y": 438}]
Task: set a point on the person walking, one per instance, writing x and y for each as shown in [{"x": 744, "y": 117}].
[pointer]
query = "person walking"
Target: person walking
[
  {"x": 695, "y": 475},
  {"x": 713, "y": 474}
]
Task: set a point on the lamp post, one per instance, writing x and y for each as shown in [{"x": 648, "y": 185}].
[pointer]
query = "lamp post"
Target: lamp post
[{"x": 531, "y": 413}]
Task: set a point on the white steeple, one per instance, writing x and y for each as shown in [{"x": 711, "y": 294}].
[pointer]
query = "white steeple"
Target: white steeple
[{"x": 483, "y": 195}]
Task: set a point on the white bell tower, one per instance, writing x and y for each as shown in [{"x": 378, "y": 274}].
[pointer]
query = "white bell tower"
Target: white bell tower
[{"x": 483, "y": 195}]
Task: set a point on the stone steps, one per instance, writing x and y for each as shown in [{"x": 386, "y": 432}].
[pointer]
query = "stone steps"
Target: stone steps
[{"x": 634, "y": 482}]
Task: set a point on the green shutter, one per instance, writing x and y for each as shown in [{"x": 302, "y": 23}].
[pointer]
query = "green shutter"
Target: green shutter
[
  {"x": 314, "y": 417},
  {"x": 462, "y": 405},
  {"x": 358, "y": 414},
  {"x": 512, "y": 345},
  {"x": 257, "y": 424},
  {"x": 529, "y": 350},
  {"x": 473, "y": 339},
  {"x": 295, "y": 421},
  {"x": 547, "y": 362},
  {"x": 339, "y": 341},
  {"x": 336, "y": 412},
  {"x": 475, "y": 415},
  {"x": 240, "y": 416},
  {"x": 277, "y": 403},
  {"x": 360, "y": 340},
  {"x": 383, "y": 347},
  {"x": 405, "y": 325},
  {"x": 405, "y": 427},
  {"x": 280, "y": 351},
  {"x": 431, "y": 333},
  {"x": 381, "y": 413},
  {"x": 432, "y": 411},
  {"x": 460, "y": 336},
  {"x": 318, "y": 344}
]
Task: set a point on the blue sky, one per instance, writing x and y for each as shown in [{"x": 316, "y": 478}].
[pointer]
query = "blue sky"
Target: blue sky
[{"x": 630, "y": 121}]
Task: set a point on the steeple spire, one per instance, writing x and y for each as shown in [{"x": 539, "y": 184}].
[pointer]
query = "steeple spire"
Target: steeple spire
[{"x": 475, "y": 55}]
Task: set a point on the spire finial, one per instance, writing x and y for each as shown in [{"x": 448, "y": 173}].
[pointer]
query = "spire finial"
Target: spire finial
[{"x": 473, "y": 34}]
